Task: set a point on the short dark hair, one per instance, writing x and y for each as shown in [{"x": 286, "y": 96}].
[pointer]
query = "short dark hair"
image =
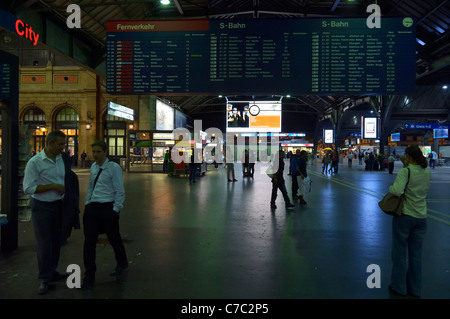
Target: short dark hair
[
  {"x": 53, "y": 135},
  {"x": 100, "y": 143}
]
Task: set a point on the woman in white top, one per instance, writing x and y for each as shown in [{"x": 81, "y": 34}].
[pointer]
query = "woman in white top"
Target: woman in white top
[{"x": 408, "y": 230}]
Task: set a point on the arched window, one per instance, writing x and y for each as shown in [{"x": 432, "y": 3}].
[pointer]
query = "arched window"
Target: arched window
[
  {"x": 115, "y": 133},
  {"x": 67, "y": 122},
  {"x": 35, "y": 118},
  {"x": 67, "y": 114}
]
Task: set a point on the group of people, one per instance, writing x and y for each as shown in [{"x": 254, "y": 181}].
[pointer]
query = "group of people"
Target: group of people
[
  {"x": 51, "y": 182},
  {"x": 298, "y": 163},
  {"x": 330, "y": 162},
  {"x": 53, "y": 187}
]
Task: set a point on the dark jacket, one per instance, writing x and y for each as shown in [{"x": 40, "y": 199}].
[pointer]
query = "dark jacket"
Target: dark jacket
[{"x": 71, "y": 200}]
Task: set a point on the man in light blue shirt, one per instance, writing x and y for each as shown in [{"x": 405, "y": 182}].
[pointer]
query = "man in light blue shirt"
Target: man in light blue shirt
[
  {"x": 104, "y": 199},
  {"x": 44, "y": 181}
]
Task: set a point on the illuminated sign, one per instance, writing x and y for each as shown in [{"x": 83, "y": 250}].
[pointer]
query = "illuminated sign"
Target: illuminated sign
[
  {"x": 370, "y": 127},
  {"x": 328, "y": 136},
  {"x": 120, "y": 111},
  {"x": 26, "y": 31},
  {"x": 14, "y": 24}
]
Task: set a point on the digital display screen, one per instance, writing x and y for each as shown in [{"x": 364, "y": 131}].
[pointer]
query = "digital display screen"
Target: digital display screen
[
  {"x": 327, "y": 56},
  {"x": 440, "y": 133},
  {"x": 266, "y": 118},
  {"x": 395, "y": 137},
  {"x": 328, "y": 136},
  {"x": 370, "y": 127}
]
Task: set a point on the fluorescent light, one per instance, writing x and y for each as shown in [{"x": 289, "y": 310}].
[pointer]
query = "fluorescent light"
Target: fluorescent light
[{"x": 165, "y": 2}]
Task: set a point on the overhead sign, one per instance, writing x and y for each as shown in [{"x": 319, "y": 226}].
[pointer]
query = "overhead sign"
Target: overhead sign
[
  {"x": 12, "y": 23},
  {"x": 425, "y": 126},
  {"x": 120, "y": 111},
  {"x": 325, "y": 56}
]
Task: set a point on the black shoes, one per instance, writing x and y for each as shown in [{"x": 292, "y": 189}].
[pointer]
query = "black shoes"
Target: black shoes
[
  {"x": 234, "y": 180},
  {"x": 303, "y": 202},
  {"x": 273, "y": 206},
  {"x": 290, "y": 206},
  {"x": 119, "y": 270},
  {"x": 43, "y": 287}
]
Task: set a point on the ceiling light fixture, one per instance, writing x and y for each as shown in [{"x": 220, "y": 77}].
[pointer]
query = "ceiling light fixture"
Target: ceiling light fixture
[{"x": 165, "y": 2}]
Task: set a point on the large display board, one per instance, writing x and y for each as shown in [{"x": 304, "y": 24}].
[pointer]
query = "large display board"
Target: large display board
[
  {"x": 253, "y": 116},
  {"x": 283, "y": 56}
]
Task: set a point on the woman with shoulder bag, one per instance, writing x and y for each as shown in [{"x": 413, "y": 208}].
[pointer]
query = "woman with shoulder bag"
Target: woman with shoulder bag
[{"x": 408, "y": 230}]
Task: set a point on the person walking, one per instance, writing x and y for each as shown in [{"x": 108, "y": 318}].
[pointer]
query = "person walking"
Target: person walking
[
  {"x": 433, "y": 159},
  {"x": 104, "y": 200},
  {"x": 44, "y": 180},
  {"x": 279, "y": 183},
  {"x": 83, "y": 158},
  {"x": 391, "y": 161},
  {"x": 293, "y": 170},
  {"x": 408, "y": 230},
  {"x": 301, "y": 167},
  {"x": 229, "y": 157}
]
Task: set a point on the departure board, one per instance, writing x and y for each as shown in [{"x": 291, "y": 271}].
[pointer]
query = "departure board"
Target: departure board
[
  {"x": 261, "y": 56},
  {"x": 8, "y": 76}
]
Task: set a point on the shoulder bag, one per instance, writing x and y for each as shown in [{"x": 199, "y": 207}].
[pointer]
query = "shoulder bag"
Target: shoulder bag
[{"x": 392, "y": 204}]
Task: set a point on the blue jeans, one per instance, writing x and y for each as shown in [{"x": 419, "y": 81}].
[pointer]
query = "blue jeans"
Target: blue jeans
[{"x": 408, "y": 234}]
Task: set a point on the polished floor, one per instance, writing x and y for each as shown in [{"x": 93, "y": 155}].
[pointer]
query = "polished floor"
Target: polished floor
[{"x": 215, "y": 239}]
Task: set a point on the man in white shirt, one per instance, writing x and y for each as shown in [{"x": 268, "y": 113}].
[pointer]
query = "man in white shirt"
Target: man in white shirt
[
  {"x": 44, "y": 181},
  {"x": 104, "y": 199}
]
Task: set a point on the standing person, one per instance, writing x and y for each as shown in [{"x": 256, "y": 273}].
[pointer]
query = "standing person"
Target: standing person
[
  {"x": 326, "y": 162},
  {"x": 192, "y": 169},
  {"x": 391, "y": 161},
  {"x": 44, "y": 180},
  {"x": 230, "y": 165},
  {"x": 279, "y": 183},
  {"x": 371, "y": 161},
  {"x": 166, "y": 161},
  {"x": 251, "y": 163},
  {"x": 301, "y": 166},
  {"x": 83, "y": 158},
  {"x": 408, "y": 230},
  {"x": 104, "y": 200},
  {"x": 293, "y": 170},
  {"x": 335, "y": 161}
]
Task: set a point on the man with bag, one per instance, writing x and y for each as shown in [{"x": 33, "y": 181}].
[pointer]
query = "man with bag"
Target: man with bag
[{"x": 104, "y": 200}]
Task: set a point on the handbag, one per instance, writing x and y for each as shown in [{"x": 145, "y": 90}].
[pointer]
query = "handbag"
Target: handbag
[{"x": 392, "y": 204}]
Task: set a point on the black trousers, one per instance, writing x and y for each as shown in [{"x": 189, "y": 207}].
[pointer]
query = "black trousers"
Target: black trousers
[
  {"x": 46, "y": 218},
  {"x": 282, "y": 187},
  {"x": 100, "y": 218}
]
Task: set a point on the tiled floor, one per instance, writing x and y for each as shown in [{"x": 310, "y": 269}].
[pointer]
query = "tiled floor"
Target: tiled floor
[{"x": 215, "y": 239}]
